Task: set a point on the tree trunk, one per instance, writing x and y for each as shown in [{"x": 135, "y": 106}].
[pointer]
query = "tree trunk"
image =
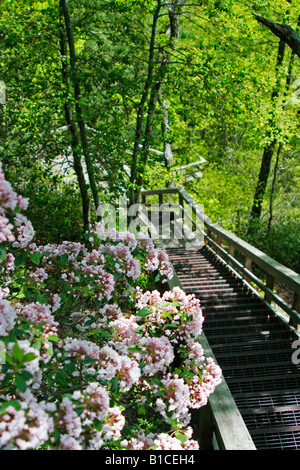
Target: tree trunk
[
  {"x": 149, "y": 124},
  {"x": 137, "y": 171},
  {"x": 273, "y": 190},
  {"x": 77, "y": 93},
  {"x": 169, "y": 158},
  {"x": 288, "y": 84},
  {"x": 283, "y": 32},
  {"x": 141, "y": 108},
  {"x": 75, "y": 144},
  {"x": 267, "y": 153}
]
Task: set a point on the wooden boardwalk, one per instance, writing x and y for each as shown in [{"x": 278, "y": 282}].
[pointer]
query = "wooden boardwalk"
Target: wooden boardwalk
[{"x": 251, "y": 344}]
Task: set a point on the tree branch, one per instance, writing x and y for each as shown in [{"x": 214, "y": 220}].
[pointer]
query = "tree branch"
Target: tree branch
[{"x": 282, "y": 31}]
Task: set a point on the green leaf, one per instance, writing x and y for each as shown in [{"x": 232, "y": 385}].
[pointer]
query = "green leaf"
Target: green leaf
[
  {"x": 142, "y": 410},
  {"x": 118, "y": 275},
  {"x": 35, "y": 257},
  {"x": 20, "y": 259},
  {"x": 20, "y": 383},
  {"x": 134, "y": 349},
  {"x": 53, "y": 338},
  {"x": 28, "y": 292},
  {"x": 17, "y": 352},
  {"x": 79, "y": 410},
  {"x": 2, "y": 253},
  {"x": 164, "y": 304},
  {"x": 157, "y": 382},
  {"x": 98, "y": 425},
  {"x": 26, "y": 375},
  {"x": 8, "y": 359},
  {"x": 115, "y": 384},
  {"x": 29, "y": 357},
  {"x": 182, "y": 437},
  {"x": 13, "y": 403},
  {"x": 157, "y": 277},
  {"x": 40, "y": 298},
  {"x": 64, "y": 259},
  {"x": 139, "y": 331},
  {"x": 103, "y": 333},
  {"x": 145, "y": 312}
]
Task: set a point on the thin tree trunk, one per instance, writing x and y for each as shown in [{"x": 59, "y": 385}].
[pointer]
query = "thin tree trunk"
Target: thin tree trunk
[
  {"x": 169, "y": 158},
  {"x": 273, "y": 189},
  {"x": 141, "y": 108},
  {"x": 137, "y": 171},
  {"x": 285, "y": 33},
  {"x": 268, "y": 151},
  {"x": 75, "y": 143},
  {"x": 288, "y": 84},
  {"x": 149, "y": 123},
  {"x": 77, "y": 93}
]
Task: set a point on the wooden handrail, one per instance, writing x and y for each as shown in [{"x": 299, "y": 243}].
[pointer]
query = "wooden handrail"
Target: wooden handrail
[{"x": 272, "y": 269}]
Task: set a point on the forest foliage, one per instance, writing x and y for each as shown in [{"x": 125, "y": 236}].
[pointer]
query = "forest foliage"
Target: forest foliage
[{"x": 186, "y": 78}]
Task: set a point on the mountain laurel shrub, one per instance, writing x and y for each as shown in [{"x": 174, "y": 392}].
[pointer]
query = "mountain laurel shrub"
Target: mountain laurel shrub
[{"x": 90, "y": 360}]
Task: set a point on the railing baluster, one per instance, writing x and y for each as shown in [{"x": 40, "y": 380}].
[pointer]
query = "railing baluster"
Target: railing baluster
[
  {"x": 231, "y": 251},
  {"x": 270, "y": 284},
  {"x": 181, "y": 202},
  {"x": 248, "y": 265},
  {"x": 296, "y": 306}
]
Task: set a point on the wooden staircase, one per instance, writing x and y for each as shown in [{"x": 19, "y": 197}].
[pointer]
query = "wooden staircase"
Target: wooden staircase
[
  {"x": 252, "y": 346},
  {"x": 250, "y": 331}
]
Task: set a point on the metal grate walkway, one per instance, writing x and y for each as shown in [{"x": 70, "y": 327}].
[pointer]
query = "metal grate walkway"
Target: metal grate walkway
[{"x": 251, "y": 344}]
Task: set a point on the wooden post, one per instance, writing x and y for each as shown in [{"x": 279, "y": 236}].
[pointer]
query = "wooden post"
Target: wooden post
[
  {"x": 296, "y": 306},
  {"x": 181, "y": 202},
  {"x": 205, "y": 428},
  {"x": 209, "y": 235},
  {"x": 219, "y": 242},
  {"x": 232, "y": 253},
  {"x": 270, "y": 285},
  {"x": 194, "y": 217},
  {"x": 248, "y": 265}
]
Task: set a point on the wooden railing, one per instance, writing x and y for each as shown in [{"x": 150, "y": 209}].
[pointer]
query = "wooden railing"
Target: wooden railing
[
  {"x": 259, "y": 271},
  {"x": 220, "y": 423}
]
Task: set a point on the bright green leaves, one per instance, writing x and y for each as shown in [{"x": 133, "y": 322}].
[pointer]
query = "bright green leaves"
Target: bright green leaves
[
  {"x": 17, "y": 361},
  {"x": 20, "y": 259},
  {"x": 144, "y": 312}
]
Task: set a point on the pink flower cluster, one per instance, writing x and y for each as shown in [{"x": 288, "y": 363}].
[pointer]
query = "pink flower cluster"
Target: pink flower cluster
[
  {"x": 107, "y": 362},
  {"x": 157, "y": 353},
  {"x": 25, "y": 231},
  {"x": 27, "y": 426},
  {"x": 78, "y": 433},
  {"x": 39, "y": 315},
  {"x": 155, "y": 258},
  {"x": 176, "y": 400},
  {"x": 173, "y": 308},
  {"x": 161, "y": 441},
  {"x": 124, "y": 262},
  {"x": 10, "y": 201},
  {"x": 7, "y": 317}
]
